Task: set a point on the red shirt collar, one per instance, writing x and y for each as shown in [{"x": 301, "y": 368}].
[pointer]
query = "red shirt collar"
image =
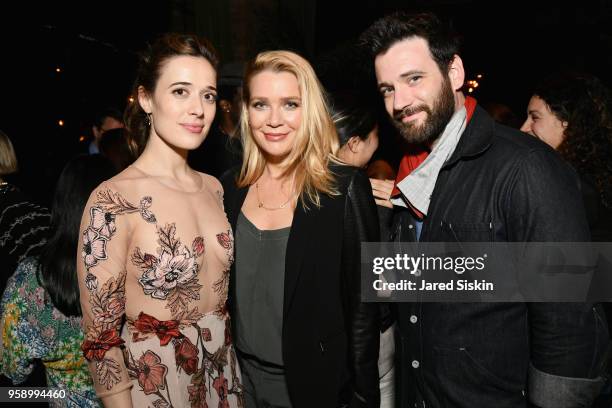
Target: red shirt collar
[{"x": 417, "y": 154}]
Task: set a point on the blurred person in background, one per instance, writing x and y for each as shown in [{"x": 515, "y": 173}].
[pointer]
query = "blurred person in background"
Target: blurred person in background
[
  {"x": 114, "y": 145},
  {"x": 41, "y": 315},
  {"x": 105, "y": 119},
  {"x": 357, "y": 128},
  {"x": 572, "y": 113},
  {"x": 23, "y": 224}
]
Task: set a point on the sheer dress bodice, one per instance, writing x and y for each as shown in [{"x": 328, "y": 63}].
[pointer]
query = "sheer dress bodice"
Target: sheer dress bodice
[{"x": 155, "y": 259}]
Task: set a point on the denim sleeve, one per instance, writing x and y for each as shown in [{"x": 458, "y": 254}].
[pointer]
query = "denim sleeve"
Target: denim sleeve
[{"x": 568, "y": 340}]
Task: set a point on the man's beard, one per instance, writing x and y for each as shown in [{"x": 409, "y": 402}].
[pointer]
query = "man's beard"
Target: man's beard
[{"x": 435, "y": 122}]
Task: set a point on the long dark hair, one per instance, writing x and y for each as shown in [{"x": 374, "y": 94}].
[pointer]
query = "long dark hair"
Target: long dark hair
[
  {"x": 57, "y": 272},
  {"x": 149, "y": 70},
  {"x": 585, "y": 103}
]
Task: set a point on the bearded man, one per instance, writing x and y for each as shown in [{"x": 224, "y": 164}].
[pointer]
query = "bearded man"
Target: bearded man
[{"x": 466, "y": 178}]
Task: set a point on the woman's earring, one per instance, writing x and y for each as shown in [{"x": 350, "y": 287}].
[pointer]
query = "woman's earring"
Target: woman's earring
[{"x": 148, "y": 119}]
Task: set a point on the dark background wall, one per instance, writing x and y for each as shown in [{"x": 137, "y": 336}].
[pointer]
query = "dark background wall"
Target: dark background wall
[{"x": 511, "y": 43}]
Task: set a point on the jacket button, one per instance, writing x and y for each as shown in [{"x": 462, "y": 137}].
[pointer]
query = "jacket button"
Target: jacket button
[
  {"x": 415, "y": 364},
  {"x": 410, "y": 226},
  {"x": 413, "y": 319}
]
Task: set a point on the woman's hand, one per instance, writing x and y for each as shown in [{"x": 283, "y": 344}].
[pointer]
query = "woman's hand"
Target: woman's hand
[{"x": 381, "y": 189}]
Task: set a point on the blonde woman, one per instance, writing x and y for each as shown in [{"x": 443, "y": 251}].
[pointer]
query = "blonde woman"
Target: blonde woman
[{"x": 303, "y": 337}]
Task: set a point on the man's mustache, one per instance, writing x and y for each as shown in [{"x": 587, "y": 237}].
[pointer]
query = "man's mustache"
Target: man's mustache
[{"x": 408, "y": 111}]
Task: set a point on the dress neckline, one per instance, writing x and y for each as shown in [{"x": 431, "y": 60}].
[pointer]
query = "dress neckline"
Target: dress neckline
[{"x": 158, "y": 181}]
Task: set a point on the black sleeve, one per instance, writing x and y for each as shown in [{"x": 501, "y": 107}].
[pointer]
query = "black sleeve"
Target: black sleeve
[
  {"x": 568, "y": 340},
  {"x": 361, "y": 225}
]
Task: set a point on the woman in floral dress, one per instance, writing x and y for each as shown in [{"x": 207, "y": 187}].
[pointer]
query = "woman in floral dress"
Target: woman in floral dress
[
  {"x": 41, "y": 314},
  {"x": 156, "y": 249}
]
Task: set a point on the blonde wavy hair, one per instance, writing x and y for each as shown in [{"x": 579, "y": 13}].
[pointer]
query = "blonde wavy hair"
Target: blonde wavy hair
[
  {"x": 316, "y": 141},
  {"x": 8, "y": 159}
]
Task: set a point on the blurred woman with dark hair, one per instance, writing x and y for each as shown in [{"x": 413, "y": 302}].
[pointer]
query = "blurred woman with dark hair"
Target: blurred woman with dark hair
[
  {"x": 573, "y": 114},
  {"x": 357, "y": 128},
  {"x": 41, "y": 315}
]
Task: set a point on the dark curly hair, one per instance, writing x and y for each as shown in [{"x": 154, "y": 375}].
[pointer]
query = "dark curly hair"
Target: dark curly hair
[{"x": 585, "y": 103}]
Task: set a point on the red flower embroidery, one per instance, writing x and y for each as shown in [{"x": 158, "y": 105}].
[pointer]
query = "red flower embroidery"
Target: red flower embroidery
[
  {"x": 165, "y": 330},
  {"x": 186, "y": 355},
  {"x": 225, "y": 240},
  {"x": 198, "y": 246},
  {"x": 151, "y": 373},
  {"x": 97, "y": 348},
  {"x": 206, "y": 335},
  {"x": 220, "y": 385}
]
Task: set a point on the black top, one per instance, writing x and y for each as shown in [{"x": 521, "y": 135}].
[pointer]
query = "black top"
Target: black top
[{"x": 23, "y": 229}]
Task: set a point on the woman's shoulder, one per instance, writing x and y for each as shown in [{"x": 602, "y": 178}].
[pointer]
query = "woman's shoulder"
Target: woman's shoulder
[
  {"x": 210, "y": 182},
  {"x": 346, "y": 175},
  {"x": 24, "y": 276}
]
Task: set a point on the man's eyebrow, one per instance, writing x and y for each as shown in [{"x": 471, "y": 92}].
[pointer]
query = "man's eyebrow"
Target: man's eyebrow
[
  {"x": 412, "y": 72},
  {"x": 383, "y": 84}
]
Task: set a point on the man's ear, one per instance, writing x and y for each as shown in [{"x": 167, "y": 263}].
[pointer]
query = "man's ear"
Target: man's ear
[
  {"x": 144, "y": 100},
  {"x": 456, "y": 73},
  {"x": 354, "y": 144}
]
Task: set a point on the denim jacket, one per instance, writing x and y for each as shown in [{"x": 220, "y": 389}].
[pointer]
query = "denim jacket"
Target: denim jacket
[{"x": 500, "y": 185}]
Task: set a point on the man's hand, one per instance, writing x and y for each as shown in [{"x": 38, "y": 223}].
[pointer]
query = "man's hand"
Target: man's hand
[{"x": 381, "y": 189}]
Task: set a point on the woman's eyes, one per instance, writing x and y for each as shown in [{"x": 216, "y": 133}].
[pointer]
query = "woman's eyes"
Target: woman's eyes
[
  {"x": 180, "y": 92},
  {"x": 209, "y": 97},
  {"x": 290, "y": 105}
]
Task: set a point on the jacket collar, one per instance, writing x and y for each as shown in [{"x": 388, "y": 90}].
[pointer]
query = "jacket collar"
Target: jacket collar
[{"x": 476, "y": 138}]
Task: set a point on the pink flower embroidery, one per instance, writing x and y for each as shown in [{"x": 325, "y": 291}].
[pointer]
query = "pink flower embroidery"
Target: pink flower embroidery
[
  {"x": 225, "y": 240},
  {"x": 94, "y": 248},
  {"x": 103, "y": 222},
  {"x": 151, "y": 373},
  {"x": 167, "y": 273},
  {"x": 198, "y": 246}
]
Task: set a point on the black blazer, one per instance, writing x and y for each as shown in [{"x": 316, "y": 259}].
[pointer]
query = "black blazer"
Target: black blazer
[{"x": 330, "y": 339}]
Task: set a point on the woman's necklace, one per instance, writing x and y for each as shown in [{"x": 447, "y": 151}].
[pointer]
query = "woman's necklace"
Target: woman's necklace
[{"x": 261, "y": 204}]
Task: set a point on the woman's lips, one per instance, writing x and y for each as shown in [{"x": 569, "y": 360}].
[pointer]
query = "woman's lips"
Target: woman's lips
[
  {"x": 275, "y": 137},
  {"x": 193, "y": 128}
]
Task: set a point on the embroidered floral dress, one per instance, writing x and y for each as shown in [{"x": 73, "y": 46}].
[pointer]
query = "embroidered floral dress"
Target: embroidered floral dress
[
  {"x": 154, "y": 273},
  {"x": 32, "y": 328}
]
